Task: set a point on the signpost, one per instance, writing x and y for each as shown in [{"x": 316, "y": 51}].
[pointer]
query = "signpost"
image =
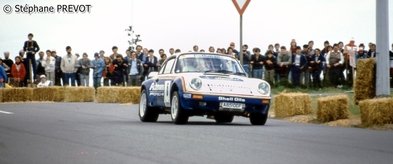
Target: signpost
[
  {"x": 241, "y": 6},
  {"x": 382, "y": 54}
]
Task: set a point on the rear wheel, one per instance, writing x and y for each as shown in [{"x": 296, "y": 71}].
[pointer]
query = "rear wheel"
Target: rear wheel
[
  {"x": 146, "y": 113},
  {"x": 223, "y": 117},
  {"x": 258, "y": 118},
  {"x": 178, "y": 115}
]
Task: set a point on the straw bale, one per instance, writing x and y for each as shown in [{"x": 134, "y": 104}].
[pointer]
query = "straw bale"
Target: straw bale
[
  {"x": 1, "y": 95},
  {"x": 17, "y": 94},
  {"x": 118, "y": 95},
  {"x": 365, "y": 80},
  {"x": 333, "y": 108},
  {"x": 376, "y": 111},
  {"x": 79, "y": 94},
  {"x": 48, "y": 94},
  {"x": 291, "y": 104}
]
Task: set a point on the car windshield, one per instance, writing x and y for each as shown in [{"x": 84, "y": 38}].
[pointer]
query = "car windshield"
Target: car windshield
[{"x": 208, "y": 63}]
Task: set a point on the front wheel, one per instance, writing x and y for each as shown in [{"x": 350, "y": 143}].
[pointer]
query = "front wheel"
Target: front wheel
[
  {"x": 146, "y": 113},
  {"x": 178, "y": 115},
  {"x": 258, "y": 118}
]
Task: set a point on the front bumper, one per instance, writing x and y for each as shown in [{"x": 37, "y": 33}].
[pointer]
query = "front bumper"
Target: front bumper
[{"x": 205, "y": 104}]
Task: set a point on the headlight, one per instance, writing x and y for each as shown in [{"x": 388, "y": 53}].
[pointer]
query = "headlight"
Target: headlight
[
  {"x": 196, "y": 83},
  {"x": 264, "y": 88}
]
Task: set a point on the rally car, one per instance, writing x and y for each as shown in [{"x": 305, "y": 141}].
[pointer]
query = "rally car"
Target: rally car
[{"x": 204, "y": 84}]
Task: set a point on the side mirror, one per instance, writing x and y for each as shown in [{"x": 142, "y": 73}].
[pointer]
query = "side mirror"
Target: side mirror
[{"x": 152, "y": 74}]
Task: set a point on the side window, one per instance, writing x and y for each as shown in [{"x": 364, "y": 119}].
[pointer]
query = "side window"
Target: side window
[{"x": 168, "y": 66}]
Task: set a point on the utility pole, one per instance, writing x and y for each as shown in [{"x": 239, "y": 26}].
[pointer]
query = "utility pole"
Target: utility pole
[{"x": 382, "y": 54}]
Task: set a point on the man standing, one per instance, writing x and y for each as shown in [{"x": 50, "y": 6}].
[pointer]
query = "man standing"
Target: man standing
[
  {"x": 171, "y": 51},
  {"x": 31, "y": 48},
  {"x": 150, "y": 64},
  {"x": 84, "y": 65},
  {"x": 7, "y": 61},
  {"x": 316, "y": 65},
  {"x": 98, "y": 66},
  {"x": 334, "y": 61},
  {"x": 114, "y": 55},
  {"x": 49, "y": 65},
  {"x": 284, "y": 61},
  {"x": 68, "y": 67},
  {"x": 299, "y": 63},
  {"x": 58, "y": 71},
  {"x": 135, "y": 68},
  {"x": 246, "y": 59},
  {"x": 3, "y": 75},
  {"x": 350, "y": 51}
]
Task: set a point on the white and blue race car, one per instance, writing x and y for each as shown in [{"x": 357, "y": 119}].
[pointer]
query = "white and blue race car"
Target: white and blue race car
[{"x": 200, "y": 84}]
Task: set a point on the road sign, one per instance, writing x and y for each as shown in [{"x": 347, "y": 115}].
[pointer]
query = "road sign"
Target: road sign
[{"x": 241, "y": 5}]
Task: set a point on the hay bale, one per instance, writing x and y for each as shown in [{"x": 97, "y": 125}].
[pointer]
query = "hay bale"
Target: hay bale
[
  {"x": 118, "y": 95},
  {"x": 135, "y": 95},
  {"x": 365, "y": 80},
  {"x": 17, "y": 94},
  {"x": 291, "y": 104},
  {"x": 48, "y": 94},
  {"x": 79, "y": 94},
  {"x": 376, "y": 111},
  {"x": 333, "y": 108},
  {"x": 1, "y": 95}
]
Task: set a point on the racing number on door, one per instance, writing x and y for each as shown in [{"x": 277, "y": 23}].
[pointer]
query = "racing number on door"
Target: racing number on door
[{"x": 167, "y": 93}]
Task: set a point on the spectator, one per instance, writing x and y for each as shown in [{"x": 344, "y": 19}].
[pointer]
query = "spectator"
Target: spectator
[
  {"x": 49, "y": 65},
  {"x": 270, "y": 65},
  {"x": 98, "y": 66},
  {"x": 114, "y": 54},
  {"x": 276, "y": 49},
  {"x": 195, "y": 48},
  {"x": 316, "y": 65},
  {"x": 139, "y": 52},
  {"x": 284, "y": 61},
  {"x": 325, "y": 49},
  {"x": 306, "y": 72},
  {"x": 162, "y": 59},
  {"x": 40, "y": 68},
  {"x": 246, "y": 59},
  {"x": 391, "y": 64},
  {"x": 231, "y": 53},
  {"x": 31, "y": 48},
  {"x": 68, "y": 67},
  {"x": 3, "y": 74},
  {"x": 84, "y": 65},
  {"x": 44, "y": 82},
  {"x": 8, "y": 62},
  {"x": 177, "y": 51},
  {"x": 202, "y": 50},
  {"x": 171, "y": 51},
  {"x": 257, "y": 64},
  {"x": 107, "y": 74},
  {"x": 341, "y": 47},
  {"x": 236, "y": 52},
  {"x": 18, "y": 72},
  {"x": 211, "y": 49},
  {"x": 299, "y": 63},
  {"x": 58, "y": 72},
  {"x": 160, "y": 52},
  {"x": 102, "y": 54},
  {"x": 5, "y": 68},
  {"x": 334, "y": 61},
  {"x": 27, "y": 66},
  {"x": 151, "y": 63},
  {"x": 373, "y": 51},
  {"x": 293, "y": 46},
  {"x": 218, "y": 51},
  {"x": 120, "y": 70},
  {"x": 310, "y": 48},
  {"x": 361, "y": 54},
  {"x": 350, "y": 51},
  {"x": 135, "y": 70}
]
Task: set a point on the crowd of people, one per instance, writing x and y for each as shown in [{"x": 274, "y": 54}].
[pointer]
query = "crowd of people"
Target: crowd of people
[{"x": 293, "y": 66}]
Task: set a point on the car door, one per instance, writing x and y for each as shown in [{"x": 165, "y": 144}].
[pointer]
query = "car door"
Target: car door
[{"x": 164, "y": 81}]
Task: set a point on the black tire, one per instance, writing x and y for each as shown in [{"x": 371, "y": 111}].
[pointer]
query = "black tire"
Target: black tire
[
  {"x": 223, "y": 117},
  {"x": 146, "y": 113},
  {"x": 258, "y": 118},
  {"x": 178, "y": 115}
]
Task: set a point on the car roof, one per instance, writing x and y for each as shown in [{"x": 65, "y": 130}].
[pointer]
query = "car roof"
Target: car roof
[{"x": 202, "y": 53}]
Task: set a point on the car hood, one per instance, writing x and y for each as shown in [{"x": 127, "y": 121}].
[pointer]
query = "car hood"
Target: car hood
[{"x": 224, "y": 84}]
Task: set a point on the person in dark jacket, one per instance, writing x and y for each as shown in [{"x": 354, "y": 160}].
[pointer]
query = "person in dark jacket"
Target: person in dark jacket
[
  {"x": 257, "y": 63},
  {"x": 316, "y": 67},
  {"x": 3, "y": 75},
  {"x": 58, "y": 72},
  {"x": 7, "y": 61},
  {"x": 270, "y": 65},
  {"x": 150, "y": 64},
  {"x": 40, "y": 68},
  {"x": 31, "y": 48},
  {"x": 120, "y": 70},
  {"x": 299, "y": 62}
]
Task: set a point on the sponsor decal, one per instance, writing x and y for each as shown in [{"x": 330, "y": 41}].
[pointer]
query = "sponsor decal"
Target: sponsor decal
[
  {"x": 235, "y": 99},
  {"x": 156, "y": 87}
]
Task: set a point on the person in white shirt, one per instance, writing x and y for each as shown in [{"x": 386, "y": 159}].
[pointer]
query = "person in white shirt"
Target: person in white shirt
[
  {"x": 49, "y": 64},
  {"x": 68, "y": 66},
  {"x": 334, "y": 62},
  {"x": 44, "y": 82}
]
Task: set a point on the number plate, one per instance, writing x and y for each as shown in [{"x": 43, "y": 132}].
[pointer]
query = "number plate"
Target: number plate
[{"x": 232, "y": 107}]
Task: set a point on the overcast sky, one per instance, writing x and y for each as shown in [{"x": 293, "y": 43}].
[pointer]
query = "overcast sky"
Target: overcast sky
[{"x": 184, "y": 23}]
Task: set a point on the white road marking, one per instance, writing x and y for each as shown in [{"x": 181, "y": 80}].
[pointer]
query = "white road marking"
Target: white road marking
[{"x": 5, "y": 112}]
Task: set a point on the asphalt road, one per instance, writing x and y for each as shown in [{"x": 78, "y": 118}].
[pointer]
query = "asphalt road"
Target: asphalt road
[{"x": 79, "y": 133}]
